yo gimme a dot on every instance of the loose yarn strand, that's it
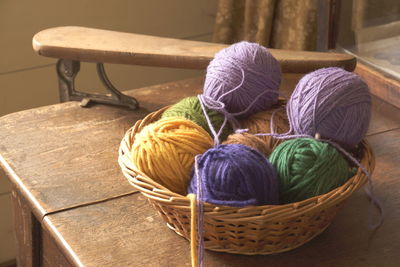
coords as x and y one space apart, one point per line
369 191
271 124
219 107
234 89
193 226
210 125
252 103
200 211
284 135
222 127
196 220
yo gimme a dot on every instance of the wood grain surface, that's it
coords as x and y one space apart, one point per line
128 232
115 230
27 231
384 117
51 254
62 156
387 88
94 45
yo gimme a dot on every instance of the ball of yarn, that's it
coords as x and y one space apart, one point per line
190 108
165 151
332 102
251 69
260 122
235 175
307 167
249 140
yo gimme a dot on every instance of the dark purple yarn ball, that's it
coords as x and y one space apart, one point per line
235 175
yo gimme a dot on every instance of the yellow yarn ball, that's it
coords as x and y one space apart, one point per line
260 123
165 151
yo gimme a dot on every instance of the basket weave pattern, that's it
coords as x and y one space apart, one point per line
250 230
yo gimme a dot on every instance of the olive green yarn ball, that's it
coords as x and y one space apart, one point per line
307 168
190 109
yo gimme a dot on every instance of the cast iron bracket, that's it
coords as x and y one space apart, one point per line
67 71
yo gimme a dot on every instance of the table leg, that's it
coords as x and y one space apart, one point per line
28 232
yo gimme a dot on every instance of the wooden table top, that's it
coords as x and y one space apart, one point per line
63 158
127 231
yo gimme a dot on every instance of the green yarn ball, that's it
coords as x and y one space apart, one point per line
307 168
190 109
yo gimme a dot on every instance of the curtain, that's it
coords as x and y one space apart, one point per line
283 24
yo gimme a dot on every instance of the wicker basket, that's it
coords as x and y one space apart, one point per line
251 230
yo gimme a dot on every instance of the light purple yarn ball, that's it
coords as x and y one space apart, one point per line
332 102
249 66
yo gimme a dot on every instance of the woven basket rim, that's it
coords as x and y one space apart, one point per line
157 192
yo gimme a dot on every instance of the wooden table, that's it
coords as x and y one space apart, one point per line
72 205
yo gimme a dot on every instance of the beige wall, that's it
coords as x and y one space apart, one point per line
28 80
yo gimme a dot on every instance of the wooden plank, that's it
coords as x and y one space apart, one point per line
94 45
27 230
128 232
63 155
7 231
380 85
385 117
5 186
51 255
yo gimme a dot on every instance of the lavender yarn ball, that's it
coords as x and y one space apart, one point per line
251 68
332 102
235 175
